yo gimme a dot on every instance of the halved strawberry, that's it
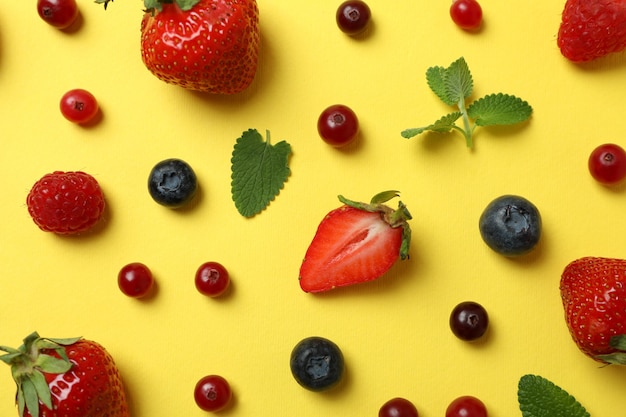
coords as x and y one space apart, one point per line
355 243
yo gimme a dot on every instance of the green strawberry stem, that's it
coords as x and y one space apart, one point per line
394 218
619 356
28 364
151 5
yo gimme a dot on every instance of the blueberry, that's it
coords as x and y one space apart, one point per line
172 183
317 363
510 225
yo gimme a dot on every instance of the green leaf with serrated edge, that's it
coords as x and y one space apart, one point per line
539 397
443 125
458 81
30 397
42 388
258 171
435 77
499 109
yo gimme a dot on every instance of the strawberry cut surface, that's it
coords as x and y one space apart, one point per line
351 246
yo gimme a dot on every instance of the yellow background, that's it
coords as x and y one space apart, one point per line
393 332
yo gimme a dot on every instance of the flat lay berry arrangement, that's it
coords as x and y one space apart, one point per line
414 210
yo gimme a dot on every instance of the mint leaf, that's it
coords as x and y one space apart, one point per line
443 125
436 79
453 85
539 397
258 171
458 80
499 109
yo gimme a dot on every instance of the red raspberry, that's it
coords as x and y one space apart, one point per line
66 202
591 29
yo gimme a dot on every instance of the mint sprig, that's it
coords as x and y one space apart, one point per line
453 85
539 397
258 171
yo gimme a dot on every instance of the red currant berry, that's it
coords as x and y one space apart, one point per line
466 406
212 279
338 125
353 17
58 13
398 407
607 164
212 393
467 14
469 320
79 106
135 280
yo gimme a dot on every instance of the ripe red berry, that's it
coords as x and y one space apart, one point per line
467 14
212 279
466 406
135 280
58 13
398 407
338 125
66 202
212 393
607 163
79 106
353 16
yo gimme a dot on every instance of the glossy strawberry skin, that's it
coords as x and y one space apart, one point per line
593 292
66 202
350 246
92 387
212 48
591 29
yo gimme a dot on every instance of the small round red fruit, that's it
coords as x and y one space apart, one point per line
398 407
467 14
607 163
338 125
466 406
212 279
212 393
58 13
79 106
135 280
353 17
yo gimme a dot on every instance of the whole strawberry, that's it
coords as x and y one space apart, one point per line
205 45
355 243
65 378
591 29
66 202
593 291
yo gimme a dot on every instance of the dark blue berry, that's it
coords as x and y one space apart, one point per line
172 183
317 363
510 225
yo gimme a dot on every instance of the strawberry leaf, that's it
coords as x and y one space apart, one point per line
30 397
41 388
539 397
258 172
499 109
